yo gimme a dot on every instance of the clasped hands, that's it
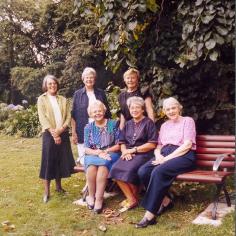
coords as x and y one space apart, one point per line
128 154
104 154
56 134
159 159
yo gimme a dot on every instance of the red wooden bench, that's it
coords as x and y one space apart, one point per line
215 162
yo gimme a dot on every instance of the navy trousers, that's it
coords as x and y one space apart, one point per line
158 179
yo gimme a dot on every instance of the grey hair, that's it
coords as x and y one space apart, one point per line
89 70
96 103
135 100
173 101
45 80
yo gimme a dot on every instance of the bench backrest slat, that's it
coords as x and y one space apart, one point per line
209 147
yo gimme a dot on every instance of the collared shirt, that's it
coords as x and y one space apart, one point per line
79 109
46 114
176 132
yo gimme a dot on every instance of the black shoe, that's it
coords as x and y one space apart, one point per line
145 222
90 206
97 211
163 208
61 190
45 198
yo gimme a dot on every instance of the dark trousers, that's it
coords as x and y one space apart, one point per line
158 179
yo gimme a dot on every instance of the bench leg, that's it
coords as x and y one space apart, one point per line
216 200
227 196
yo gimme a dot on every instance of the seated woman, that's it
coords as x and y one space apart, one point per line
101 151
174 155
138 140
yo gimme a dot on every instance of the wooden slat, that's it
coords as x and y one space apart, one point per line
204 176
222 144
223 164
215 150
216 137
78 169
212 157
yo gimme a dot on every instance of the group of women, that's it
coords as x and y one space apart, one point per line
130 152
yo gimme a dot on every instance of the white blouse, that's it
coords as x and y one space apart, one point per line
56 111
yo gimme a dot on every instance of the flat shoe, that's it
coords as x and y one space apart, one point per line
45 198
163 208
128 206
61 190
145 222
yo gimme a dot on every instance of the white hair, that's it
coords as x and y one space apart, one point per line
96 103
171 100
136 100
89 70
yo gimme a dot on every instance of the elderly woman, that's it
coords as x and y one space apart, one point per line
101 152
131 79
138 140
174 155
81 100
54 116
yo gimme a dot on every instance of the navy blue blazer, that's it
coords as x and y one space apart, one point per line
79 109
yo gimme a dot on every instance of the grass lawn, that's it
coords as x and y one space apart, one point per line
21 203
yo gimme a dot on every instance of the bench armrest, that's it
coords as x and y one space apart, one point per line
218 161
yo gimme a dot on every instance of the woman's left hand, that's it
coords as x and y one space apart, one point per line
158 161
57 140
104 155
127 157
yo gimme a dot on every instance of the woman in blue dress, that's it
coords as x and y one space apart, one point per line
101 152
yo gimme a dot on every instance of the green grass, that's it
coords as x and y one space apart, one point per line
21 203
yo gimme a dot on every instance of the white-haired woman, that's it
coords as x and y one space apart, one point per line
101 152
81 100
174 155
138 139
54 115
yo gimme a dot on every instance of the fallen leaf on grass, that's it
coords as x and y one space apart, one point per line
7 225
102 228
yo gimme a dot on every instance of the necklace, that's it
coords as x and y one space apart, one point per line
137 130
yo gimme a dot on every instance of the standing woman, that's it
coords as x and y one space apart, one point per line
138 140
131 79
54 116
81 100
174 155
101 152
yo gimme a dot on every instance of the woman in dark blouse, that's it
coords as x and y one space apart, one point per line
138 140
131 79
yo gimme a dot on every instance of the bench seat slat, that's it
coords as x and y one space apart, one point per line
215 150
204 176
216 144
216 137
212 157
223 164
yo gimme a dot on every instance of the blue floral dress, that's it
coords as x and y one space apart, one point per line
101 138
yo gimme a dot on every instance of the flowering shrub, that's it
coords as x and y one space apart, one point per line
24 123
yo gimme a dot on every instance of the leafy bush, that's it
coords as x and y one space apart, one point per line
112 93
24 123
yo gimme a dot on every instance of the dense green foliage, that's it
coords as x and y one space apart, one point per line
182 48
